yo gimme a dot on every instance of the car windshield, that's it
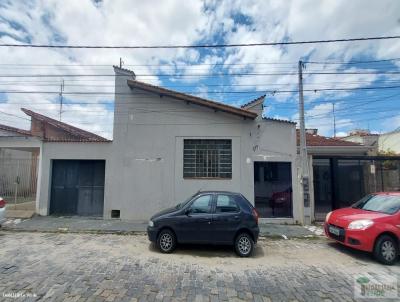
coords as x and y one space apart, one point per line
388 204
182 204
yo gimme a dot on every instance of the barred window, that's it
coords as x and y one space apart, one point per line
207 158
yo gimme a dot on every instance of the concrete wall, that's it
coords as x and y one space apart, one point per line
145 172
390 141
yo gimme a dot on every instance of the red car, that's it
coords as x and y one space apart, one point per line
371 224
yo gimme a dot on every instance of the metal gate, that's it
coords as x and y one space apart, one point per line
77 187
18 179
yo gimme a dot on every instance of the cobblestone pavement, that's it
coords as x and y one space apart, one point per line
86 267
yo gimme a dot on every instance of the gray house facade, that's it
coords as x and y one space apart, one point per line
167 146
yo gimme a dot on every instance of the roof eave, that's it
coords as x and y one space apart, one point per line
337 149
193 99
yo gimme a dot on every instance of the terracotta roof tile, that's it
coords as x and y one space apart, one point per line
323 141
192 99
15 130
80 134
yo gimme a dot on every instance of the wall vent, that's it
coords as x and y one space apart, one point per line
115 213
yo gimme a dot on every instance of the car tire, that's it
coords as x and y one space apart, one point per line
166 241
386 250
244 245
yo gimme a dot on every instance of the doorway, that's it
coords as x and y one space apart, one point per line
77 187
273 189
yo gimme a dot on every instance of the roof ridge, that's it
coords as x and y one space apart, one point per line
191 98
320 140
278 120
14 129
252 102
64 126
125 70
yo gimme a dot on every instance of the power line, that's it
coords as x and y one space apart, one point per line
184 64
198 46
14 115
351 62
210 92
196 75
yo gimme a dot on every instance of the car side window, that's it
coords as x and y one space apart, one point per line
201 205
226 204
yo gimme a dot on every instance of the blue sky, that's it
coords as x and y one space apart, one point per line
171 22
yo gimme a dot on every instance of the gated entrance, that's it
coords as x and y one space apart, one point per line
77 187
339 181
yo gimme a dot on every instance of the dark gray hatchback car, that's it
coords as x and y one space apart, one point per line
211 217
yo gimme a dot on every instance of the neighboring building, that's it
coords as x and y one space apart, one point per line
390 142
364 137
343 172
37 143
17 168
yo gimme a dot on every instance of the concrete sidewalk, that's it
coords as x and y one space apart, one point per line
115 226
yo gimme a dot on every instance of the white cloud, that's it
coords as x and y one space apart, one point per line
124 22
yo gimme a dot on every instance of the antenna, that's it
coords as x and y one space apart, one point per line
61 97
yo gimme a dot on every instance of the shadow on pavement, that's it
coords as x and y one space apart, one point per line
203 250
356 254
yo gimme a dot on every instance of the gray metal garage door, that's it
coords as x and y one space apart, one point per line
77 187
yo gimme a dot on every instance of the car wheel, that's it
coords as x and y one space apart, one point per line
386 250
244 245
166 241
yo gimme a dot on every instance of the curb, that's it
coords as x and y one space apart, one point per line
126 233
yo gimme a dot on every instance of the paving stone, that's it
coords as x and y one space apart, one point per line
79 267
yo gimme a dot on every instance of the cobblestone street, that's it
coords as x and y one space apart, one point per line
86 267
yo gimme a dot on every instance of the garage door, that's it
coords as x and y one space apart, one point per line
77 187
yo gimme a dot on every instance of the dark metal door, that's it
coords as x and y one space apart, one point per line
77 187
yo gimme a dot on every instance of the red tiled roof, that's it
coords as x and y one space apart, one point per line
15 130
80 134
323 141
192 99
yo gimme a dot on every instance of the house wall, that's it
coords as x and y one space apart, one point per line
389 141
145 172
45 130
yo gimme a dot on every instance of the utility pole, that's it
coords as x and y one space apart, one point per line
334 120
120 62
304 175
61 97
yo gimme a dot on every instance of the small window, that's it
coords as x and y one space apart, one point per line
226 204
207 158
201 205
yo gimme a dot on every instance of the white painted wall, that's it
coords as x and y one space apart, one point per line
145 172
390 141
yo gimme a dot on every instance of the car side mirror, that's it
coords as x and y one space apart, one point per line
188 212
